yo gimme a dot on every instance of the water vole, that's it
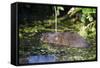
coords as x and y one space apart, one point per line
67 39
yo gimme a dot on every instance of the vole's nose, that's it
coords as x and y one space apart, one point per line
41 39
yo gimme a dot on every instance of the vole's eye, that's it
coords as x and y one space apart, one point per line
46 35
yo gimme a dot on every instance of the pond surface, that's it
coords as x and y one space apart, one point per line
41 58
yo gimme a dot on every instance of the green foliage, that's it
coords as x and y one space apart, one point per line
87 14
88 10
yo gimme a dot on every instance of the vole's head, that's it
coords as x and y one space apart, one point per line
49 37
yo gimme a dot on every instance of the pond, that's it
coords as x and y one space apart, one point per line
41 58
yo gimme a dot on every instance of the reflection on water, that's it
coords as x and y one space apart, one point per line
41 58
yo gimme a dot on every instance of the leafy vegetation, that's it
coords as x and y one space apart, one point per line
80 20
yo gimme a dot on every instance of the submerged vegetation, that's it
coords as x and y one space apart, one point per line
36 20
